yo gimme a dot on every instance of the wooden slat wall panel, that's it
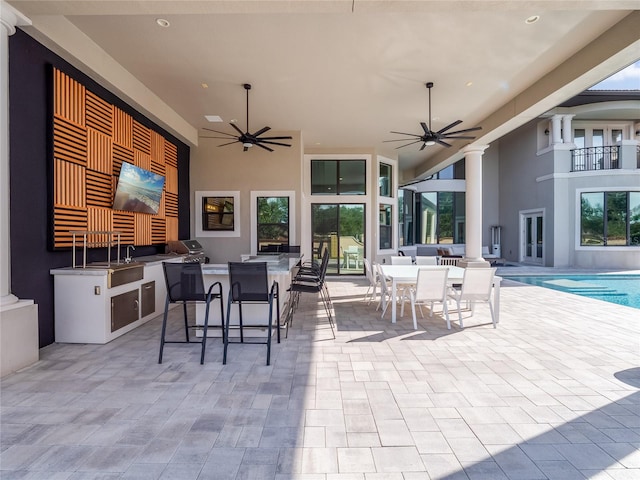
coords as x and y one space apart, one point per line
158 230
172 229
157 148
69 184
91 140
171 204
141 138
122 128
99 114
142 229
70 141
68 219
124 223
99 151
99 219
68 98
142 159
121 154
171 154
171 179
99 188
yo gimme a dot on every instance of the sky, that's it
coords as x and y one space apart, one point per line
626 79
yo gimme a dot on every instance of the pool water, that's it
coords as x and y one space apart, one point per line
620 289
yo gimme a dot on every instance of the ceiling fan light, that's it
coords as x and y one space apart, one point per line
247 145
428 143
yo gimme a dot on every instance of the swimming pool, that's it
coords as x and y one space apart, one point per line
613 288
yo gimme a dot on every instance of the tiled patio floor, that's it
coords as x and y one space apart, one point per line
550 394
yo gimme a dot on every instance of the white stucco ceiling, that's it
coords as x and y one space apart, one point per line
346 73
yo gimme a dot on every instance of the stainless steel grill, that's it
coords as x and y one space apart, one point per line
191 248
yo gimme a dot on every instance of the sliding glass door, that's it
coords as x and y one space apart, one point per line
339 228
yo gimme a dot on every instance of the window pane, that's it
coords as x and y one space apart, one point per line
445 217
385 215
217 213
592 218
597 139
616 136
324 177
634 218
616 218
578 137
428 217
352 177
459 216
273 223
446 173
385 180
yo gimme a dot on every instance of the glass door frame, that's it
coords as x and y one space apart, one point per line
532 225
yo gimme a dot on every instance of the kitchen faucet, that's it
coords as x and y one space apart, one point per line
128 257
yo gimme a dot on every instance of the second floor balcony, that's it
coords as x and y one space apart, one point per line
595 158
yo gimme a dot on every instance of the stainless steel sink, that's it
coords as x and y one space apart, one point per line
121 273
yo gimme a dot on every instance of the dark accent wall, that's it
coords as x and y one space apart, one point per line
30 172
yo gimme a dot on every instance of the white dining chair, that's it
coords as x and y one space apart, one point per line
372 276
401 260
421 260
477 284
431 287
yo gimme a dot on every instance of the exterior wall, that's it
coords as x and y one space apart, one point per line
490 192
599 257
229 169
520 166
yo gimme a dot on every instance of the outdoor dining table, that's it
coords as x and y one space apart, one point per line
408 274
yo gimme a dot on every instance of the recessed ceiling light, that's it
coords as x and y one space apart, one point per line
204 85
532 19
164 23
469 84
213 118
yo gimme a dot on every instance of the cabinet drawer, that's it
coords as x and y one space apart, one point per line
148 298
124 309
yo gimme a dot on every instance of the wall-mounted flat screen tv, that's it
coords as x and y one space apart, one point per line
138 190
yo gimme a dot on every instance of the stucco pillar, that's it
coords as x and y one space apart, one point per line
473 202
556 129
9 19
567 131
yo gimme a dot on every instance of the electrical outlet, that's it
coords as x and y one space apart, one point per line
96 290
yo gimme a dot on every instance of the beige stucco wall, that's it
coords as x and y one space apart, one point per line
228 168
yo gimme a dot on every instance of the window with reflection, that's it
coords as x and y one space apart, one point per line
442 217
385 180
610 218
217 213
386 226
338 177
272 223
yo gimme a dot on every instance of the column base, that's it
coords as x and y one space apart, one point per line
19 344
473 263
6 300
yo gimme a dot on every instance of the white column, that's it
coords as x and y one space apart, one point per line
9 19
473 201
556 129
567 131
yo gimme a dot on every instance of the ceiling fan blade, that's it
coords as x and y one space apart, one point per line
423 146
266 148
218 131
275 138
399 139
236 128
451 125
261 131
260 140
235 141
463 137
244 149
403 133
473 129
443 143
222 138
425 127
406 145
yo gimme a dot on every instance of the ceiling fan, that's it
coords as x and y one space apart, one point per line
247 139
429 137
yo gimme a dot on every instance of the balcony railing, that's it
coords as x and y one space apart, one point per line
595 158
638 156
